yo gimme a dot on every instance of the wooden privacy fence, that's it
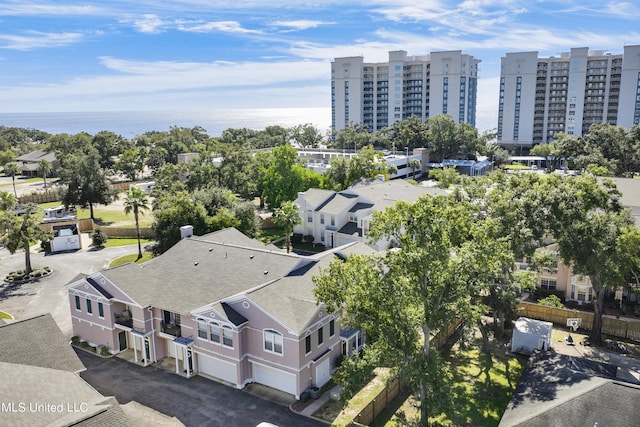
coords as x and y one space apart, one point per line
375 406
119 232
622 327
37 198
378 403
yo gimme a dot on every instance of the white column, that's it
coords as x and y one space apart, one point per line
135 349
176 354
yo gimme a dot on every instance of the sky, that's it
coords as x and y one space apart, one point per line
199 55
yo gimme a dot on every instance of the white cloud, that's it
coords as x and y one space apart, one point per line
221 26
43 9
301 24
148 81
148 24
35 39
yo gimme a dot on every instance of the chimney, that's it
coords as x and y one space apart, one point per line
186 231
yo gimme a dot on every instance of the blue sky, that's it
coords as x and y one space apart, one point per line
63 55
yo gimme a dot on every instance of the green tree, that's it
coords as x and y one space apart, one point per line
12 169
44 167
587 222
18 231
7 201
131 162
136 202
236 170
411 133
173 211
285 177
446 176
110 146
414 164
444 258
307 135
86 183
287 216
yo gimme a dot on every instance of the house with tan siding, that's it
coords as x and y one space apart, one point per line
222 306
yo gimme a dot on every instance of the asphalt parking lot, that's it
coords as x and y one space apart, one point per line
195 402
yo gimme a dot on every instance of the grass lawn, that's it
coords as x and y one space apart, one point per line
146 256
477 401
112 214
268 235
116 241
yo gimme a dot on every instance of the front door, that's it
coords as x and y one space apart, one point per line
122 340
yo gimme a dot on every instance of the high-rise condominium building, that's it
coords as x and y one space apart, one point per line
379 94
540 97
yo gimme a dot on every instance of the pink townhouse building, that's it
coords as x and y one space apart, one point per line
223 306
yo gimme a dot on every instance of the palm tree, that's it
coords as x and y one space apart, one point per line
44 167
414 164
136 202
7 201
287 217
12 169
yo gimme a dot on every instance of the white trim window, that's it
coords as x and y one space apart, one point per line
215 332
273 341
203 329
227 336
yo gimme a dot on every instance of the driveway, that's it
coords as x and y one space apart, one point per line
195 402
48 294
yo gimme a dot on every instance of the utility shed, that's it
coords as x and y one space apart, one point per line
530 335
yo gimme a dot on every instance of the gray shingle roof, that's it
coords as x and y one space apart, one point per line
32 385
387 193
316 196
38 342
291 299
36 156
558 390
199 271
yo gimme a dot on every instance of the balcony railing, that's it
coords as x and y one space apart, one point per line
171 329
123 318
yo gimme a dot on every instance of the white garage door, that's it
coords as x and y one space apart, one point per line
217 368
323 372
276 378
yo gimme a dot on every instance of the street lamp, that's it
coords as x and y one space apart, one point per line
407 159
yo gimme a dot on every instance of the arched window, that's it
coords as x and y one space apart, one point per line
215 332
227 336
203 329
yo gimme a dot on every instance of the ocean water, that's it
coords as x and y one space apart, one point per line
130 124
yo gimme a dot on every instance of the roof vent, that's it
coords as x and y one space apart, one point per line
251 256
210 249
196 263
266 272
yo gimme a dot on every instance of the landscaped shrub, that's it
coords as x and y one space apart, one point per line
309 238
296 237
98 238
551 301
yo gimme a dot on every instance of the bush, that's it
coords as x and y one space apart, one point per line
296 237
551 301
98 238
309 238
75 339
